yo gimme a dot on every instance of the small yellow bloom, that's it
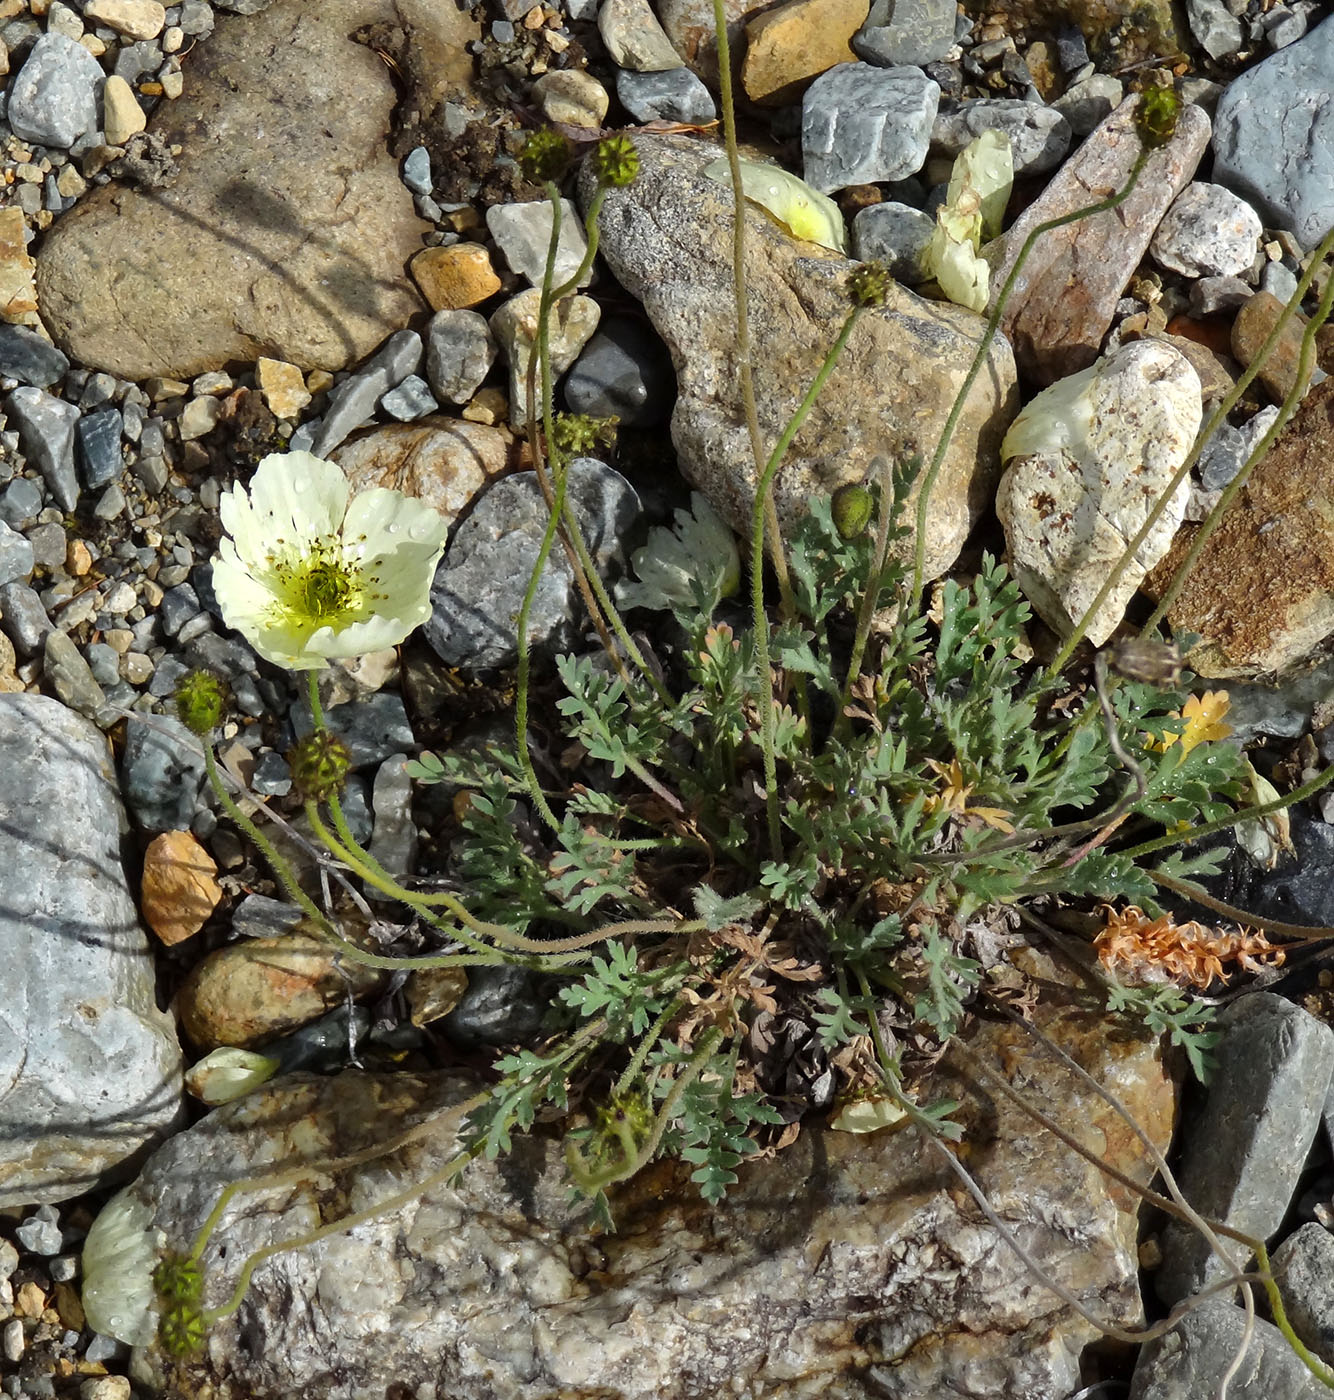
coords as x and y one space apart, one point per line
1204 721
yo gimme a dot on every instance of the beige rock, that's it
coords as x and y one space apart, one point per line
122 115
1062 303
442 462
283 387
571 96
1261 594
293 247
487 407
689 26
634 38
250 992
18 293
668 240
1255 320
455 277
178 892
138 19
514 325
789 46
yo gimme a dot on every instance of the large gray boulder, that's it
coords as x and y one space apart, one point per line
90 1071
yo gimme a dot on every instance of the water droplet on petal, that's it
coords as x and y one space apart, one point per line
420 529
391 528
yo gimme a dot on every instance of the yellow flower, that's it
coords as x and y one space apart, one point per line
308 574
1204 721
954 794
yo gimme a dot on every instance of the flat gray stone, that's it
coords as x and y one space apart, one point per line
53 99
90 1071
480 583
1244 1150
671 95
906 31
1274 136
861 124
16 558
23 618
1214 27
1039 136
161 772
30 358
522 232
353 401
46 433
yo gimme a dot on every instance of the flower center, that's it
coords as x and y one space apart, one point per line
321 586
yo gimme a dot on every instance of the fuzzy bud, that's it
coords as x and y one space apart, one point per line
578 434
320 764
181 1331
199 700
851 508
615 161
1156 116
868 284
545 155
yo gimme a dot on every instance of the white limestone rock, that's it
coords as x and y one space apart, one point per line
1088 459
1208 232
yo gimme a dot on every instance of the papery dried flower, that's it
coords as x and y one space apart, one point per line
1157 950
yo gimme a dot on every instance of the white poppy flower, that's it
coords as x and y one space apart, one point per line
226 1074
803 211
700 547
119 1257
308 575
974 206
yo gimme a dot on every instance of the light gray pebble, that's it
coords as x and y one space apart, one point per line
49 544
46 430
394 843
11 1340
195 628
68 674
502 31
272 778
1212 296
672 95
103 1348
1278 281
9 1260
1207 232
258 916
861 124
1215 29
354 400
53 98
103 662
409 400
23 618
460 351
133 418
161 770
98 389
906 31
16 556
522 232
417 170
20 502
151 471
39 1233
429 210
1285 24
196 17
897 235
1039 136
1084 105
110 503
30 358
135 61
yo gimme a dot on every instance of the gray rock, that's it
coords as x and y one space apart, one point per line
23 618
30 358
906 31
897 235
1279 281
514 326
1207 232
353 401
671 95
272 778
243 7
480 584
860 124
523 232
196 17
67 673
410 400
625 371
1039 136
16 557
1274 136
417 170
1189 1362
53 99
1086 104
1285 24
1304 1267
97 447
1244 1150
40 1232
258 916
46 431
373 729
161 770
20 502
89 1067
103 662
1214 27
134 61
501 1006
1226 452
460 351
634 38
178 606
394 842
1213 296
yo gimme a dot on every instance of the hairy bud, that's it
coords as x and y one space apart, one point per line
615 161
199 700
320 764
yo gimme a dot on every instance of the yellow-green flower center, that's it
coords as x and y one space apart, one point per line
320 587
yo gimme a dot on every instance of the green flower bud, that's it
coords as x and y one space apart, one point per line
615 161
199 700
320 764
1156 116
578 434
868 284
852 507
178 1279
545 155
181 1330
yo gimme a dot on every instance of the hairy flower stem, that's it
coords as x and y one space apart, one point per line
871 598
979 359
1188 889
765 700
1289 407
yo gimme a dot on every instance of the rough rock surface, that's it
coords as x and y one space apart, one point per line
689 25
1091 457
1261 594
1063 301
849 1266
668 238
292 247
89 1067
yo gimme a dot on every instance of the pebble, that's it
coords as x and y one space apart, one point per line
1283 165
53 99
354 400
16 556
23 618
97 448
1214 27
523 233
417 170
178 891
1084 105
514 326
897 235
20 501
1304 1266
671 95
373 729
67 673
139 19
861 124
906 31
30 358
455 277
572 97
394 842
1217 296
626 371
460 351
46 431
200 417
1253 323
1279 281
409 400
789 45
40 1231
161 771
1207 232
283 387
1224 455
1039 136
634 38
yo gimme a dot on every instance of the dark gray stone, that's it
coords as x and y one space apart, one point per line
898 236
258 916
1071 49
480 583
53 99
135 61
1188 1363
46 432
66 671
354 400
1212 296
906 31
1304 1267
1274 136
460 351
502 1006
272 777
161 771
23 619
90 1071
16 556
860 124
323 1046
30 358
178 606
97 448
1243 1151
20 502
372 729
1039 136
624 370
671 95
